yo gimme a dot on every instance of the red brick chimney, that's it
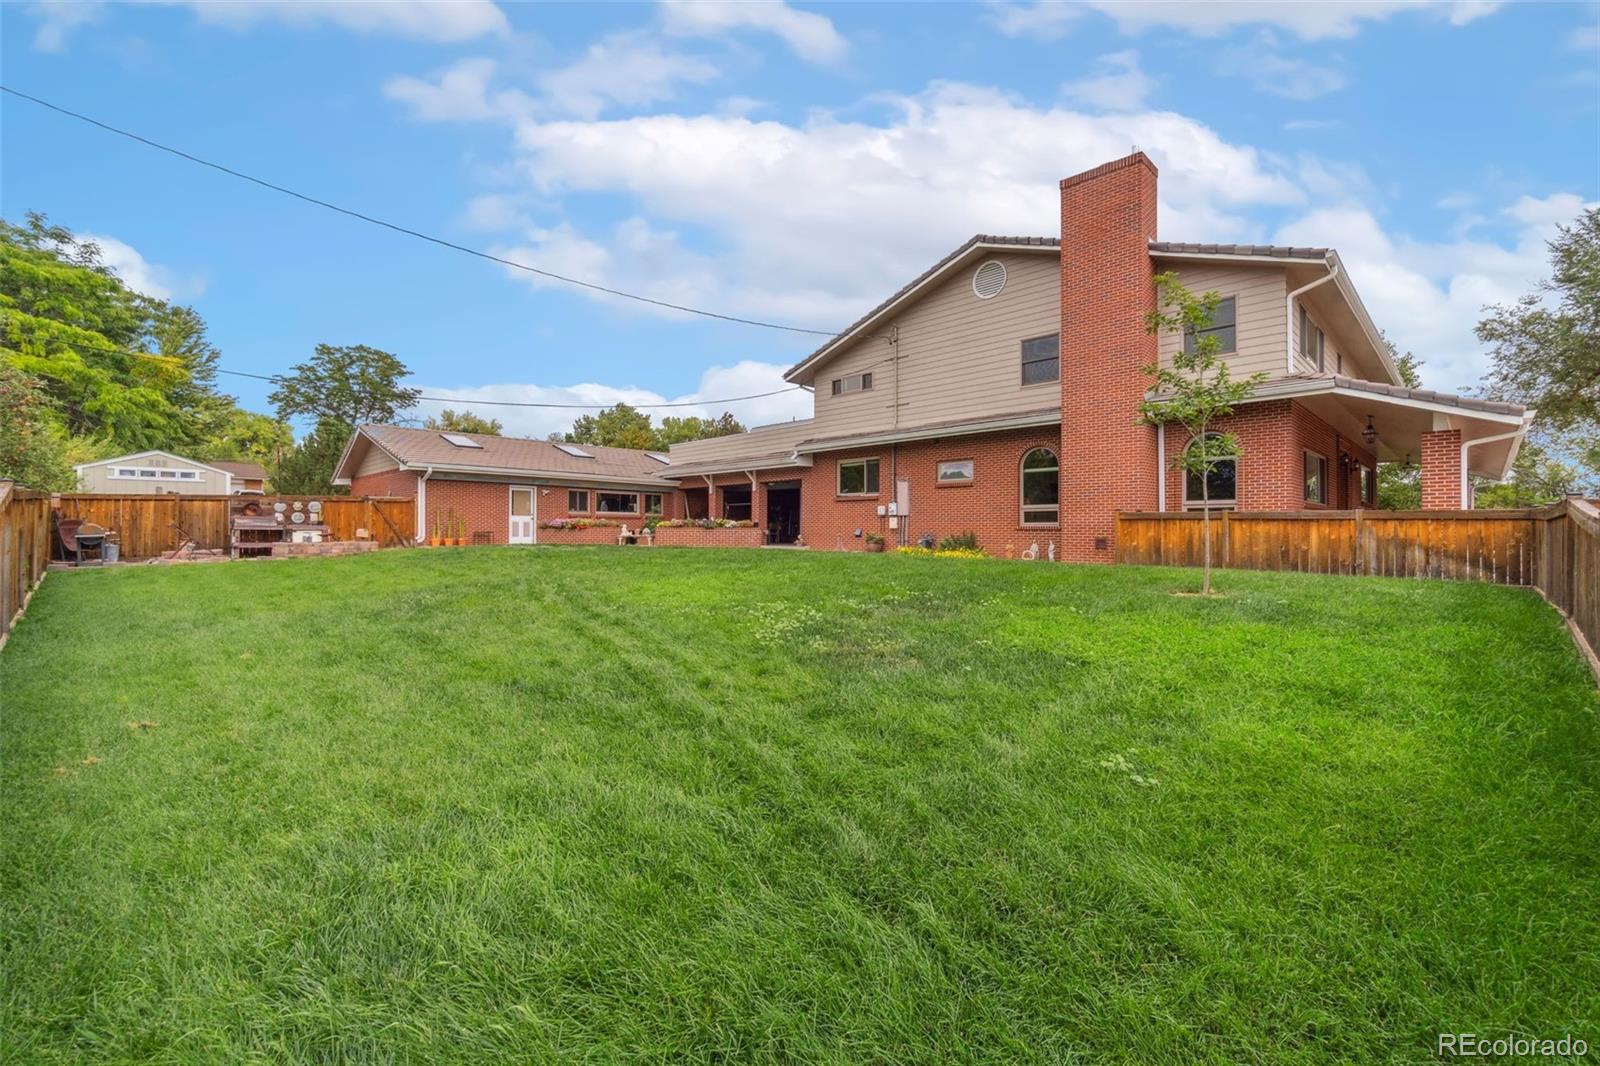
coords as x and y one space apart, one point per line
1108 460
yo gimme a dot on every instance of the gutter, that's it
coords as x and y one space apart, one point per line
1510 456
1288 312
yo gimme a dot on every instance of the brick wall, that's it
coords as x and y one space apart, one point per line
1273 437
587 535
695 537
387 483
1441 470
1108 217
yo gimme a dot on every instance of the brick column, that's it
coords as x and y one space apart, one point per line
1441 470
1108 460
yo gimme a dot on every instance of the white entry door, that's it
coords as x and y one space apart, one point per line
522 524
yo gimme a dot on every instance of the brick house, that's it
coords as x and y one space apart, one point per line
502 488
997 393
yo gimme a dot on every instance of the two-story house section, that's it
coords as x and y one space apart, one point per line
998 393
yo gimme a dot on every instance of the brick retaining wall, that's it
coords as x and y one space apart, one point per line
696 537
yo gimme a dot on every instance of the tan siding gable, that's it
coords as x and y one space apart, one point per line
376 461
958 356
1259 292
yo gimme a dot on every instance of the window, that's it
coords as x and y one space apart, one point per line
574 451
1369 486
460 441
736 503
577 501
1316 478
1312 342
1041 359
1222 327
616 503
853 383
1041 488
1221 484
652 503
858 477
147 473
955 472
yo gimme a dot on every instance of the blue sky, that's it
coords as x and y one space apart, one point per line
783 162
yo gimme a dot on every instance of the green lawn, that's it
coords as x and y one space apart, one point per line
512 805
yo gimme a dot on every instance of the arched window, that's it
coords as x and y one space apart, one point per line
1222 483
1041 488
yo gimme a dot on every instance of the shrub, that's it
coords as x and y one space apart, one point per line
578 523
967 541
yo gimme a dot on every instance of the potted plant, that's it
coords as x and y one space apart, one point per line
436 531
874 542
452 524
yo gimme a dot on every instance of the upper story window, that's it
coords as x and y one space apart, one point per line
1224 327
1041 359
858 477
1221 486
1312 342
853 383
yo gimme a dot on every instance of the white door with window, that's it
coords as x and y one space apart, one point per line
522 523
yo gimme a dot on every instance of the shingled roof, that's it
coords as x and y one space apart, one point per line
421 448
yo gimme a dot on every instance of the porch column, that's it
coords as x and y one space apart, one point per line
1441 471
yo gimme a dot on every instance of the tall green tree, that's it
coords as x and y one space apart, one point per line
341 387
463 422
351 385
32 447
1196 391
625 426
121 371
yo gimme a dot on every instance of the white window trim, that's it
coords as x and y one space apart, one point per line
940 479
1212 504
1310 360
863 381
1022 507
838 479
1322 480
1183 338
644 501
587 500
633 511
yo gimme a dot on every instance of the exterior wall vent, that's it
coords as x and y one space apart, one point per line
989 280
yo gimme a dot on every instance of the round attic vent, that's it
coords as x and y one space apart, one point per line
989 280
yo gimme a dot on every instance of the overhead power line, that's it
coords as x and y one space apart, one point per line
457 400
553 276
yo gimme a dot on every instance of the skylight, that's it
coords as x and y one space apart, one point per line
658 457
574 450
460 441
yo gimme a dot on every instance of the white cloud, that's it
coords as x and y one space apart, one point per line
1048 19
440 21
58 18
849 204
626 70
139 274
1584 39
1117 85
1429 296
811 36
1281 75
745 378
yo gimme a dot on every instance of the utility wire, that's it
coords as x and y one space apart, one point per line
457 400
404 229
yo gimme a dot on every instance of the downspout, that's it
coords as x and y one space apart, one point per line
1481 440
1288 314
1161 466
422 505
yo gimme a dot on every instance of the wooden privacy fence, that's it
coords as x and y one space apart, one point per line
25 532
1555 549
148 525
